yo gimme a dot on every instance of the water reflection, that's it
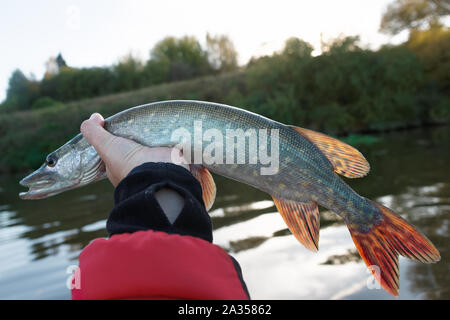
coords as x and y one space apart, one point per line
410 174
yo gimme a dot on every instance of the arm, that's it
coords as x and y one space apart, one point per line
158 200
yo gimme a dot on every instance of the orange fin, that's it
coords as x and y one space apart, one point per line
345 159
302 219
207 182
381 246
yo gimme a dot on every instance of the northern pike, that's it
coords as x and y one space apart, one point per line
307 175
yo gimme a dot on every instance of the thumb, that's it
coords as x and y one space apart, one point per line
92 129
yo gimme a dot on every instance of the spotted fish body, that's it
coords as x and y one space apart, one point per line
307 175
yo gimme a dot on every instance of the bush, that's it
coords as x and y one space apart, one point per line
21 92
74 84
45 102
128 74
432 46
441 112
343 90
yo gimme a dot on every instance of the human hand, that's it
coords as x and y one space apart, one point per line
122 155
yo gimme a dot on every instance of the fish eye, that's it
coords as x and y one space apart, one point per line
51 161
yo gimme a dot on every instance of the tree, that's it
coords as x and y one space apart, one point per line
296 47
432 46
222 55
128 73
412 14
21 92
341 44
74 84
184 57
60 61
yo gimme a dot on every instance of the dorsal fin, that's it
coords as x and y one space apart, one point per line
345 159
302 219
207 182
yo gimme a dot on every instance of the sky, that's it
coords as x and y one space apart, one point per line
100 32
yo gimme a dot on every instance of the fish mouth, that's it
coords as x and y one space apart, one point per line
37 189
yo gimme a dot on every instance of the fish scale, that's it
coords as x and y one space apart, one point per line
217 117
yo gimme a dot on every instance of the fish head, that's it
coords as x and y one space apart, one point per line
72 165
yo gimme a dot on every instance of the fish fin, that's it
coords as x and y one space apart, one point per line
302 219
207 182
346 160
381 245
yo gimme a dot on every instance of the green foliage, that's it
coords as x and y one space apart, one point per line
331 118
413 14
156 72
345 89
182 58
341 44
45 102
282 104
440 112
221 53
171 59
74 84
128 74
297 49
432 46
21 92
273 83
43 130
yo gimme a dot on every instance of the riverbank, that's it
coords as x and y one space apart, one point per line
27 137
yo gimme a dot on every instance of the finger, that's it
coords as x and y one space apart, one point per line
92 129
97 118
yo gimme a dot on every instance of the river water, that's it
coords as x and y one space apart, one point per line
40 240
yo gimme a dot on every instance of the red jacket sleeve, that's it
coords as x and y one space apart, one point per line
138 266
146 256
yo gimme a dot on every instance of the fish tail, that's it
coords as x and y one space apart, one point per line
383 242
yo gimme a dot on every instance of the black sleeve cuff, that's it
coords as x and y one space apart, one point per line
136 208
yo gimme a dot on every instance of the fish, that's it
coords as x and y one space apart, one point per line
306 175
